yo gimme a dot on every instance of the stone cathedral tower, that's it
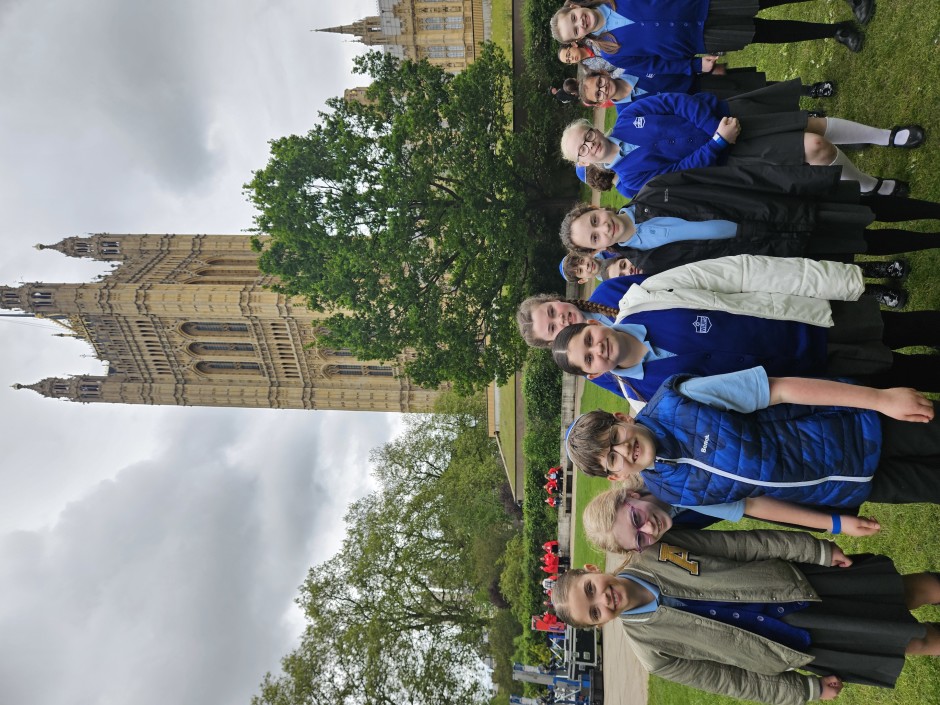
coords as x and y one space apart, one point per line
186 320
447 33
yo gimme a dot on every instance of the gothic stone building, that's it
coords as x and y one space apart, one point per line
187 320
447 33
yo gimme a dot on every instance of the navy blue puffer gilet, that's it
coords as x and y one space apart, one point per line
822 455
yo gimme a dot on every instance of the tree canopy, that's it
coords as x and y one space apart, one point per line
400 614
409 217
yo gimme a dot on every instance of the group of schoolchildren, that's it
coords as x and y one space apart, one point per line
763 365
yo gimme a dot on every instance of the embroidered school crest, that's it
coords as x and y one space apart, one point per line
702 324
639 122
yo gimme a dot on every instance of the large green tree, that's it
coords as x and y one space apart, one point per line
411 216
401 613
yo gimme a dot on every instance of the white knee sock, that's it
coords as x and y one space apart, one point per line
839 131
850 172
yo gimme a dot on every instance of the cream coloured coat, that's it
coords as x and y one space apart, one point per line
780 288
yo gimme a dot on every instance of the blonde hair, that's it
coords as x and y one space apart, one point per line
600 515
579 123
606 41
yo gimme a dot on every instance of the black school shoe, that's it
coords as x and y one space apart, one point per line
887 296
902 189
915 138
820 89
893 269
849 36
864 10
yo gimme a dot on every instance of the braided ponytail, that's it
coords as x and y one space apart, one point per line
594 307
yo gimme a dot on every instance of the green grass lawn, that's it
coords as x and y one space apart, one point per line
502 26
507 426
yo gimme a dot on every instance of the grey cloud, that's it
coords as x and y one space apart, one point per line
170 583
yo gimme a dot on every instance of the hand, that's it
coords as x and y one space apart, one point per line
719 70
905 404
708 63
729 128
859 526
831 687
839 559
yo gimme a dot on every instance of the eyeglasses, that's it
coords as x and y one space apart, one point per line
642 540
613 457
589 137
600 90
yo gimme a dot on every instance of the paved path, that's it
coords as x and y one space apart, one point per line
625 680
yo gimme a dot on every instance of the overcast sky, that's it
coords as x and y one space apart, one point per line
151 554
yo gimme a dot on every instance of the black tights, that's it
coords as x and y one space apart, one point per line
918 371
783 31
906 328
890 241
891 209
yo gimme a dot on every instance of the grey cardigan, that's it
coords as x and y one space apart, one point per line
745 566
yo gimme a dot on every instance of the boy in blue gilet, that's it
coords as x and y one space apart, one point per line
713 440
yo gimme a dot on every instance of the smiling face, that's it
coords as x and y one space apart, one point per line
577 23
622 268
600 228
587 145
597 598
640 523
631 448
599 89
598 349
572 54
586 268
550 317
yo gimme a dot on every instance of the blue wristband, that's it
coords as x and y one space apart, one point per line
836 524
722 142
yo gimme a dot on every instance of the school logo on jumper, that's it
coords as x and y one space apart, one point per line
639 122
702 324
650 75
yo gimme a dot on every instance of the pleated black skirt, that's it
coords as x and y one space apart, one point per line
729 25
861 628
772 126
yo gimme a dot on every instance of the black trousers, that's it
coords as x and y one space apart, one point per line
909 469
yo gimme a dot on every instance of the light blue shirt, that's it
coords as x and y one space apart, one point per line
745 391
612 20
656 232
624 147
635 93
729 511
652 353
649 606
